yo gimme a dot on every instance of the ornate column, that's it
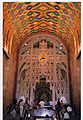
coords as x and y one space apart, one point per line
53 95
31 93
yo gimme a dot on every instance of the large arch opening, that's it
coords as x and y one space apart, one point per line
43 91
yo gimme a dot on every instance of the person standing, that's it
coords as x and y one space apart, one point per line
47 103
47 117
58 109
26 108
62 104
63 110
69 110
54 117
66 116
21 106
41 103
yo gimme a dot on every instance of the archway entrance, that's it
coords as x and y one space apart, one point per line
43 91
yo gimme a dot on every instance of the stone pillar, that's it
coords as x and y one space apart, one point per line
53 95
31 94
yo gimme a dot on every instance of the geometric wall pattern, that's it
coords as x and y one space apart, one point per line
43 59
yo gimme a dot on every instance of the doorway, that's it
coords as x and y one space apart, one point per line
43 91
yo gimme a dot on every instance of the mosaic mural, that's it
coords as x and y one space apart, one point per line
21 19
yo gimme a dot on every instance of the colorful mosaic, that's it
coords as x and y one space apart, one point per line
25 18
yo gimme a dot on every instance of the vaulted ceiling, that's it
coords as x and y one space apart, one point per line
22 19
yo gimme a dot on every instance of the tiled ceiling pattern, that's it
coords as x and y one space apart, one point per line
61 18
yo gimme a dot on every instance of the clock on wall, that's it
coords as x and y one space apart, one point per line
43 58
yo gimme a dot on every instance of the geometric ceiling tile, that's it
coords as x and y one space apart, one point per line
10 5
12 12
24 6
17 17
71 5
73 12
64 17
68 17
13 17
56 13
59 2
25 12
54 28
72 17
15 23
27 2
22 17
33 17
66 5
35 14
52 14
14 5
5 6
19 5
43 8
76 5
57 7
30 19
16 11
30 13
43 24
20 11
51 3
36 4
33 3
65 11
29 7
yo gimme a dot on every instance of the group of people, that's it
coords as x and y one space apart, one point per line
62 111
19 107
40 103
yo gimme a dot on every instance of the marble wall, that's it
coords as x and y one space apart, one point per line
8 79
75 78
